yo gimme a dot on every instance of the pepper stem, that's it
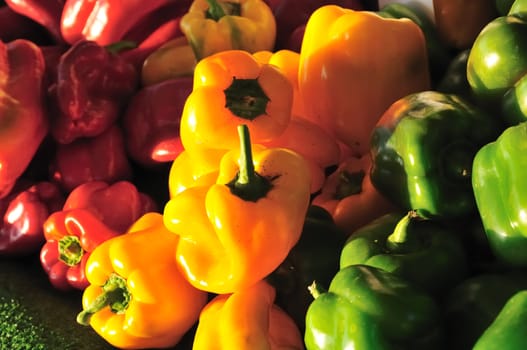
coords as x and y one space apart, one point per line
70 250
116 295
248 184
215 10
400 240
315 289
246 99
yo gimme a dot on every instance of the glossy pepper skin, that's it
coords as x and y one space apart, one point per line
224 227
24 213
507 331
151 121
71 236
369 308
471 306
106 21
420 251
422 150
497 178
212 26
496 67
93 85
23 120
315 257
347 99
137 297
231 88
350 197
249 320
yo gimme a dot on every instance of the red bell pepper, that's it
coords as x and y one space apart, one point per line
93 85
109 21
24 213
23 121
92 213
44 12
117 205
71 235
100 158
151 121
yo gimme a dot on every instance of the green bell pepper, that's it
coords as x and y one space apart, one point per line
421 251
369 308
500 183
439 55
472 305
454 80
422 150
507 331
497 64
314 257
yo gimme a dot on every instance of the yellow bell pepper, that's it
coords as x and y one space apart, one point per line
231 88
137 297
246 320
354 65
212 26
240 229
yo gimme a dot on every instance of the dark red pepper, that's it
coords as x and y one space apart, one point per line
100 158
16 26
44 12
93 213
93 85
23 121
151 121
24 213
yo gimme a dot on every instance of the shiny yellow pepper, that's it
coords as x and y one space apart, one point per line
212 26
236 231
354 65
246 320
137 297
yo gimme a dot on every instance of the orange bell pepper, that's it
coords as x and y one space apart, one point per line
246 320
350 197
354 65
238 230
137 297
232 88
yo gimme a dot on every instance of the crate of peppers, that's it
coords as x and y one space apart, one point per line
263 174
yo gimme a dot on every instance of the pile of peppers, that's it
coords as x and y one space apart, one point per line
271 174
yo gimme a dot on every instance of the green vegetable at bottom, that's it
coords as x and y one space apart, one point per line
369 308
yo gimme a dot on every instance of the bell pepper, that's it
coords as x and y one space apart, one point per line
369 308
99 158
507 331
471 306
23 121
503 6
231 88
454 79
422 150
107 21
47 13
496 67
455 28
137 297
292 14
249 320
212 26
151 121
117 205
354 65
439 55
421 251
71 236
93 86
497 178
25 212
315 257
225 227
173 59
350 197
14 26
